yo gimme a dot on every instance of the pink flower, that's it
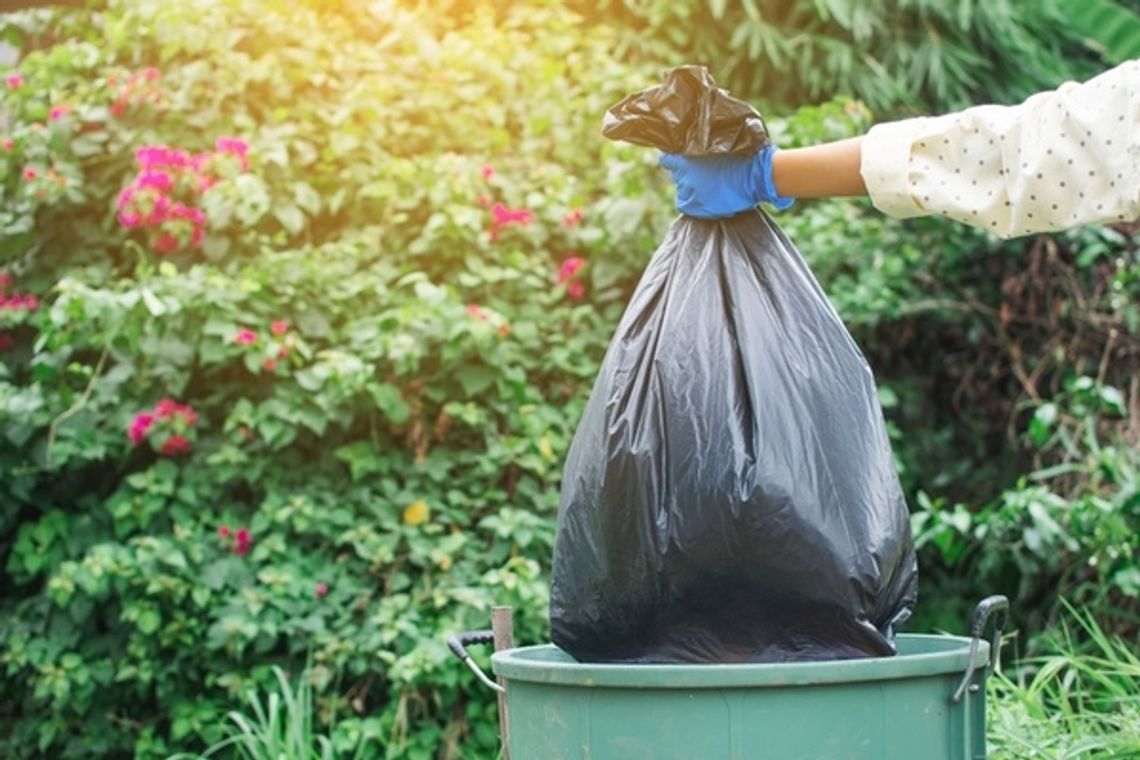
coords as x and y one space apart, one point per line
58 112
159 210
279 327
8 144
234 146
572 218
5 280
483 201
30 173
576 291
487 171
126 195
15 80
154 179
224 532
150 73
6 341
269 365
140 425
31 303
503 216
321 590
477 312
570 268
130 219
155 156
245 336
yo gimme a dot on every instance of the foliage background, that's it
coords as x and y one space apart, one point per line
396 463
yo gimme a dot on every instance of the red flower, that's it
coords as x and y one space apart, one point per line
165 243
321 590
572 217
175 444
279 327
483 200
504 329
576 291
5 280
9 143
224 532
30 173
269 365
242 540
6 341
477 312
166 407
245 336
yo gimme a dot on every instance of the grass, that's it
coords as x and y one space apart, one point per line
1083 702
280 728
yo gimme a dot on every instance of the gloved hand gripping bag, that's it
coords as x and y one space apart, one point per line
730 494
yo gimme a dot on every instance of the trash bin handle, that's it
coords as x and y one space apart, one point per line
996 606
458 646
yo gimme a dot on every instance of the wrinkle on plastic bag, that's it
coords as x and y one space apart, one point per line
687 114
730 493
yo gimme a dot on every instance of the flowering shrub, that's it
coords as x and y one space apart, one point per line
168 181
169 427
302 388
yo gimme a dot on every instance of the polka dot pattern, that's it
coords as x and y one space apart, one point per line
1065 157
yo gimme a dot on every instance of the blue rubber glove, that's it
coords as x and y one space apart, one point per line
714 187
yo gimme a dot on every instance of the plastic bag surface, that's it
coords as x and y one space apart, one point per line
730 493
687 114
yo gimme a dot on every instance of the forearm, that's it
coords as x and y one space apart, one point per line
820 171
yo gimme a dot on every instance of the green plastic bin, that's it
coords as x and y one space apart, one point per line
925 703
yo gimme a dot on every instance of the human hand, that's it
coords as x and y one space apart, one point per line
714 187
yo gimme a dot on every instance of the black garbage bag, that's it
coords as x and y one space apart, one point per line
730 494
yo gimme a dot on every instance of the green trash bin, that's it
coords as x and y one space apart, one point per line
925 703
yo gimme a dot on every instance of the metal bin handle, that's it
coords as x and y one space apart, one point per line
458 646
998 607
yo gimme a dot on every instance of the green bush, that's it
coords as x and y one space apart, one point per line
321 405
897 56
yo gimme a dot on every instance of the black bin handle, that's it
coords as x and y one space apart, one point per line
997 607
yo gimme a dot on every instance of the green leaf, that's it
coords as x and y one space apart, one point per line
148 621
475 378
1041 424
291 217
1112 399
389 400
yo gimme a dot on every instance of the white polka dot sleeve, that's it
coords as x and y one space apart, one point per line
1062 158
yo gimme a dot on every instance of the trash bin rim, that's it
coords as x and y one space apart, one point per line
920 655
